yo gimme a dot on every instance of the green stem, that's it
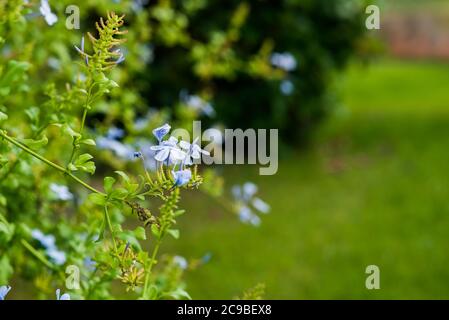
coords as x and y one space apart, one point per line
37 254
150 266
48 162
108 221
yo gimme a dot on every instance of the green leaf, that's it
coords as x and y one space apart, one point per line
178 213
82 159
139 233
155 230
128 236
108 184
35 144
89 142
174 233
3 116
7 269
66 129
119 193
83 163
88 167
3 161
123 175
97 198
179 294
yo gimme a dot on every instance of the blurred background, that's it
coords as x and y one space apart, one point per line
363 120
369 186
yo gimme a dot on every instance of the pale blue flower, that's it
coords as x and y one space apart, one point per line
121 57
147 154
54 63
198 104
287 87
247 202
61 192
182 177
49 16
47 241
4 291
82 52
246 215
115 133
193 151
249 189
138 5
169 152
161 132
89 264
120 149
261 205
285 61
180 262
57 256
65 296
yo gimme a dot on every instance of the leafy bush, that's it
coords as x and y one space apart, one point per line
77 105
262 64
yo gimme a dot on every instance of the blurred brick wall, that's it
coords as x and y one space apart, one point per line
416 35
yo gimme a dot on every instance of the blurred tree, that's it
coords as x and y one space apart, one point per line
236 68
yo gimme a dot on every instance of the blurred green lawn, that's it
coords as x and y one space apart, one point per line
373 189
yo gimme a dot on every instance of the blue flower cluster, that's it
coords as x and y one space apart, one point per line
197 103
247 203
61 192
287 62
111 142
172 152
49 243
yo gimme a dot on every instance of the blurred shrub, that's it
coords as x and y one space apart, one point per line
224 52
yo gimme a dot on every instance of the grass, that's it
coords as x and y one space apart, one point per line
372 190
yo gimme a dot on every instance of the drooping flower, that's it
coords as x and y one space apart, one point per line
61 192
4 291
193 151
82 52
161 132
49 16
182 177
65 296
285 61
121 56
168 151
